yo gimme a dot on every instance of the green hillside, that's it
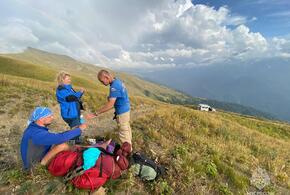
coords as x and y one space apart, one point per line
85 75
205 153
61 62
14 67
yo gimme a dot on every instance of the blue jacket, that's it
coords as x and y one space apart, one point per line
69 101
36 142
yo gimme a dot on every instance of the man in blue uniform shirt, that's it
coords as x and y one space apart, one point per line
118 98
38 144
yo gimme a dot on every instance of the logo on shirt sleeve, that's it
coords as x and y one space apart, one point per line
113 89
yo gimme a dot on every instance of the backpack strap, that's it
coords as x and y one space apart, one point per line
74 173
113 165
60 87
142 160
75 170
140 170
101 166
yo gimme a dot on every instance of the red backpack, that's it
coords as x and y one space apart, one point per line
107 167
70 163
92 178
63 162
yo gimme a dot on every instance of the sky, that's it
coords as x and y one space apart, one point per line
269 17
149 34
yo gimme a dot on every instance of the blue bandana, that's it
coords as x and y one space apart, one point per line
38 113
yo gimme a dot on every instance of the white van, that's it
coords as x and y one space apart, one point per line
205 107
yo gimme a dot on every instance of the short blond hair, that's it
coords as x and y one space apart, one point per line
61 76
104 72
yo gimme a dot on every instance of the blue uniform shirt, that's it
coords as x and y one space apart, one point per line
36 142
119 91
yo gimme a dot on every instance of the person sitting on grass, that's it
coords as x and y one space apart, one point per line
38 144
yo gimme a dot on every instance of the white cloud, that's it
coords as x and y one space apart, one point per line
14 37
125 56
135 34
184 7
281 47
237 20
201 36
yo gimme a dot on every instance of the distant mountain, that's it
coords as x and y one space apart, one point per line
263 85
48 64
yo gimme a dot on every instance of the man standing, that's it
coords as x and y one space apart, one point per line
118 98
38 144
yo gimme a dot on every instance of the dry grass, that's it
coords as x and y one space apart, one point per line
205 153
208 146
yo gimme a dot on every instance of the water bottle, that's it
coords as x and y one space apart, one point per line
82 120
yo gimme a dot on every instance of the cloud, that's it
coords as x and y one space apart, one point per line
184 7
238 20
201 37
135 34
14 37
281 47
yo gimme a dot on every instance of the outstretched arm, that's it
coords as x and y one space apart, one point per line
47 138
109 105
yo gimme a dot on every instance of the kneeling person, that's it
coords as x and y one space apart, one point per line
38 144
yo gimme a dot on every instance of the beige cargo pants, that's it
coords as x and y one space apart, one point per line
125 132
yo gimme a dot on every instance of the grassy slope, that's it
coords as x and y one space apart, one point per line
24 69
60 62
205 153
136 85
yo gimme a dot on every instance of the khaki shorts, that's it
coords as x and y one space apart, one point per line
125 132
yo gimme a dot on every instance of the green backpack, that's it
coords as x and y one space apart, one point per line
145 172
146 168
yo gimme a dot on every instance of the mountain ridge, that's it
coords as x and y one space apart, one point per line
133 82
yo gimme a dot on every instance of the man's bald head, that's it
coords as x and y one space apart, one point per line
105 77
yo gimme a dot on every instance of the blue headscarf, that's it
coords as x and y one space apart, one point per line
38 113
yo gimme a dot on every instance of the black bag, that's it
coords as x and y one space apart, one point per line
143 161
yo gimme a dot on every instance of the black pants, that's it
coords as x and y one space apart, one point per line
73 123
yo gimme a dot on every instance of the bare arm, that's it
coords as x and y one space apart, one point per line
109 105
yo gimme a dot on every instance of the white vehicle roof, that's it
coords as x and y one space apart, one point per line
204 105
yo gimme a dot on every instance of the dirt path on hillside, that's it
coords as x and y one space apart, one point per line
105 123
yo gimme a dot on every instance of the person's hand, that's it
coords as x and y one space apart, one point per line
91 116
82 90
83 126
